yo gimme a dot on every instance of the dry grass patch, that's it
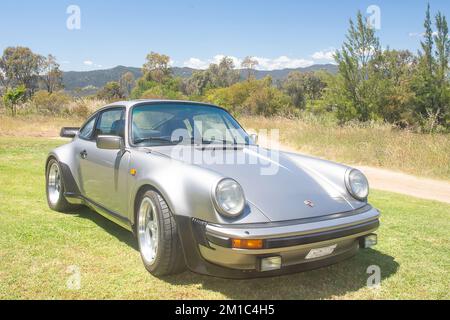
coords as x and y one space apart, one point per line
373 145
35 125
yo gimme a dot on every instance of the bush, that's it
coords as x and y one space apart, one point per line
55 103
84 107
13 97
170 89
256 97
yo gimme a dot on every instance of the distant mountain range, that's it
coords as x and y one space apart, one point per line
92 80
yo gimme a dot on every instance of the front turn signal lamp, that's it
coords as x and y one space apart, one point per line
247 244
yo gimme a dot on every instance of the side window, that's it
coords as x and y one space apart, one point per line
88 129
111 122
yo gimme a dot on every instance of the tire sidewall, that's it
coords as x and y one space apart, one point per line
153 196
60 199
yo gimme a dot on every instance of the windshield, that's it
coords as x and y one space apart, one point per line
184 123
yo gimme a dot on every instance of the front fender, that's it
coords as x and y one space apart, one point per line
186 188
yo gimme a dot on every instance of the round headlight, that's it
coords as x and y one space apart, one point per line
229 198
357 184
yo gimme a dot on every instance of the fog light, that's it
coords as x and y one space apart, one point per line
369 241
270 263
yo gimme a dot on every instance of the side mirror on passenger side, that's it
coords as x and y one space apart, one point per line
109 142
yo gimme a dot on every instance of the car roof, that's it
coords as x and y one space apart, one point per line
131 103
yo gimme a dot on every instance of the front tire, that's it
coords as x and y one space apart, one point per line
55 188
157 235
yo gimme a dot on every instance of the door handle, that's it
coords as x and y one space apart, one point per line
83 154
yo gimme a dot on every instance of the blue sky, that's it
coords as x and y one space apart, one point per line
281 33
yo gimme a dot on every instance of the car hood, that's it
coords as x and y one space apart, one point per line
281 188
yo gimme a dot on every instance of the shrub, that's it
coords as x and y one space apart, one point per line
13 97
83 107
111 92
170 89
55 103
256 97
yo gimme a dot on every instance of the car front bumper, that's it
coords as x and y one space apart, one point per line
208 247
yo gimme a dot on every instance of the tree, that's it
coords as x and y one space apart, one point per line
442 60
224 74
127 83
355 91
157 68
111 92
430 82
20 66
52 76
393 71
250 64
216 76
302 87
12 98
198 83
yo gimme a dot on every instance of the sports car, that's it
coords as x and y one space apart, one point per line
197 191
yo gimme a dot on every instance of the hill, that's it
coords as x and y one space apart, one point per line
90 81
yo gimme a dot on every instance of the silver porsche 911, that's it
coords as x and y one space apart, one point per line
198 192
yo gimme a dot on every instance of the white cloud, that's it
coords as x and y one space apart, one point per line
196 63
281 62
420 34
90 63
325 55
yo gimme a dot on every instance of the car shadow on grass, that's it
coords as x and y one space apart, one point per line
112 228
326 283
330 282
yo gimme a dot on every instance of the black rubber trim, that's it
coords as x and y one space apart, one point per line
199 229
302 239
333 216
220 241
320 236
111 213
95 204
70 185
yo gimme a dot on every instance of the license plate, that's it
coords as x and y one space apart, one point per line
321 252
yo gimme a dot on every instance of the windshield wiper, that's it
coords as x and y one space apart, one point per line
226 142
140 140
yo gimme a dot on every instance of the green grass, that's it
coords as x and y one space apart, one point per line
38 245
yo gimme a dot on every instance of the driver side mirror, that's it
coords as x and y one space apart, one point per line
68 132
109 142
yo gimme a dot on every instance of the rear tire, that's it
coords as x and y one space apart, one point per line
54 186
157 235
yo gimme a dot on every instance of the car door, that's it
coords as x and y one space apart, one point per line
104 172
